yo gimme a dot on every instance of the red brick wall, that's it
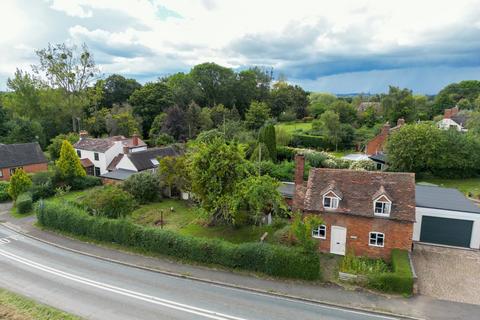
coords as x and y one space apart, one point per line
398 234
32 168
377 144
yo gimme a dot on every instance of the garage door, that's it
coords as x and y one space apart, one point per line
452 232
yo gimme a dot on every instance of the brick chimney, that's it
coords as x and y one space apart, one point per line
400 122
126 149
447 113
385 129
135 139
455 110
83 134
299 169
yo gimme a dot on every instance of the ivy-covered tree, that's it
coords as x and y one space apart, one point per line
68 164
19 183
215 169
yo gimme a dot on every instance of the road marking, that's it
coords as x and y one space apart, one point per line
9 239
137 295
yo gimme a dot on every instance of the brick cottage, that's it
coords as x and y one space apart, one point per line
28 156
368 213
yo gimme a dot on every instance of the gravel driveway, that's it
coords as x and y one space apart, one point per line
448 273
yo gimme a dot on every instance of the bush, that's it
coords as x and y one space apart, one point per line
367 165
20 182
362 265
259 257
398 281
86 182
144 187
307 141
285 153
24 203
43 177
4 196
109 201
42 191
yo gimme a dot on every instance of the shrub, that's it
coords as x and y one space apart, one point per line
398 281
260 257
367 165
308 141
4 196
109 201
42 191
24 203
43 177
19 183
283 136
285 153
86 182
144 187
362 265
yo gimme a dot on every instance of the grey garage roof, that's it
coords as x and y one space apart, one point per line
443 198
120 174
287 189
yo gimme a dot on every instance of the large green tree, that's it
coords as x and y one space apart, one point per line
399 103
257 114
285 97
452 94
117 89
150 100
216 83
184 89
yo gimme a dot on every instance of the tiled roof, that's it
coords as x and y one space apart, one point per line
21 154
103 144
358 188
113 165
86 163
460 118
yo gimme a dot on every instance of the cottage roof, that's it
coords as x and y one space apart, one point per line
103 144
21 154
444 198
358 188
142 160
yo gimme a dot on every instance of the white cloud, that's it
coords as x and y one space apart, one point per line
168 35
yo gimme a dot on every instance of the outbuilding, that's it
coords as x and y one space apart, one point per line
445 216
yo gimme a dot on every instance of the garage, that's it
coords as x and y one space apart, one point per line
445 216
452 232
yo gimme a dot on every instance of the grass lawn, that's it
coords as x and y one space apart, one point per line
184 220
471 185
291 127
13 306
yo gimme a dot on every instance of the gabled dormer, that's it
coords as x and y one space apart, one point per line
382 203
331 196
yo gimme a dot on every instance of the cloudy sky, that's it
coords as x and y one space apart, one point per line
324 45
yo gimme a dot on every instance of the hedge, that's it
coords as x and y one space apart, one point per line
4 196
259 257
24 203
398 281
308 141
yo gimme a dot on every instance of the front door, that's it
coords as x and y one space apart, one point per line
338 240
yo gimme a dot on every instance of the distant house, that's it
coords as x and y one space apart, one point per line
453 119
97 154
377 144
28 156
124 165
368 213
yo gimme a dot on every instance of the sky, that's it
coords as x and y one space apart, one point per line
328 46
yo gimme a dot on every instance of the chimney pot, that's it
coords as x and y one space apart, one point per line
299 169
135 139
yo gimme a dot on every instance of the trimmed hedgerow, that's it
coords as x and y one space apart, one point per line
4 196
24 203
308 141
398 281
260 257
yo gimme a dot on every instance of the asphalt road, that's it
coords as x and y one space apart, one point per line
97 289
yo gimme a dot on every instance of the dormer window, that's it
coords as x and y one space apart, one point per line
330 202
382 208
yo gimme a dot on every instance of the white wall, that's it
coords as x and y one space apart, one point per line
126 164
445 124
101 163
475 217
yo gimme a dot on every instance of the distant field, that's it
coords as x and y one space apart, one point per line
466 186
293 126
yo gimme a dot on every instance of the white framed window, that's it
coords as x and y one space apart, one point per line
376 239
330 202
382 208
319 232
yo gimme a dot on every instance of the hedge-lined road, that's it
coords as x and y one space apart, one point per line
96 289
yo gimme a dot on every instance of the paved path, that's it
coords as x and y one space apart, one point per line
419 306
96 289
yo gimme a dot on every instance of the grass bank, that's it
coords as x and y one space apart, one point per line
13 306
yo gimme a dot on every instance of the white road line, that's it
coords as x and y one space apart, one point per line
323 306
137 295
